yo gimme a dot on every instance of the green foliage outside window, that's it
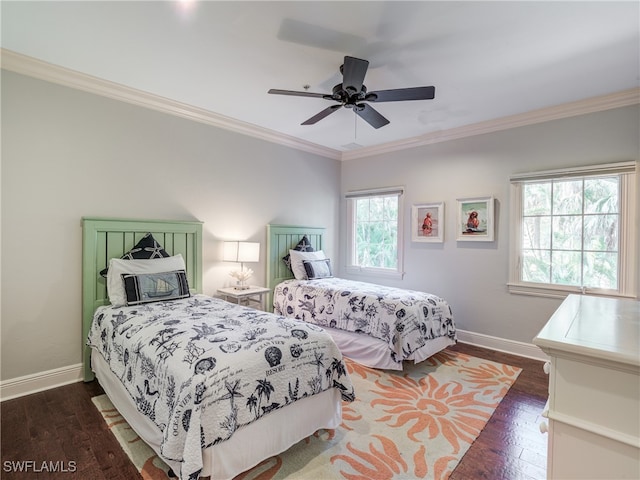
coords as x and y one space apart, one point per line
571 232
376 232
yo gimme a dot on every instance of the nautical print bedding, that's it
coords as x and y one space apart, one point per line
404 319
200 368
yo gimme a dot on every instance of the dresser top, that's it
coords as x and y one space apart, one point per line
605 328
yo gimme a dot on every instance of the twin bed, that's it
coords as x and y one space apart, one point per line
215 388
377 326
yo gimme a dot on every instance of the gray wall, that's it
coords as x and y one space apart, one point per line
472 276
68 154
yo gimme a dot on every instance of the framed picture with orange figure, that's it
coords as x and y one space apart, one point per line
427 222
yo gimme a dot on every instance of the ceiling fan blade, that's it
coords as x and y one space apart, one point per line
275 91
400 94
370 115
319 116
353 72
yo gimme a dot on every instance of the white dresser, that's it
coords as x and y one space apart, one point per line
594 388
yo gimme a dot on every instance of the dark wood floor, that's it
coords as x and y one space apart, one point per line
62 428
511 446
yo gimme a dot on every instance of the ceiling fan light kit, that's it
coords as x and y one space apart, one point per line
352 92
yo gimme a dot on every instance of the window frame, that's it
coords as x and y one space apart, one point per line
350 266
627 254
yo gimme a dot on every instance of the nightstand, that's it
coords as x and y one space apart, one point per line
246 296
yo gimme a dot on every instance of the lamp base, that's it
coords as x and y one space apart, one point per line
241 287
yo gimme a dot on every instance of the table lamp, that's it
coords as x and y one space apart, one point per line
241 252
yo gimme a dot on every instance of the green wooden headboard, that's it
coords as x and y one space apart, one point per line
106 238
280 239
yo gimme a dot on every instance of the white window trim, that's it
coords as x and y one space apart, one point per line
352 269
628 233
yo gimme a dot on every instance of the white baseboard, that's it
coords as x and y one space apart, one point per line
37 382
502 345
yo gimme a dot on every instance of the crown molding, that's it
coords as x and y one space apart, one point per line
624 98
32 67
35 68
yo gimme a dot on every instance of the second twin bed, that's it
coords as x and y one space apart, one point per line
375 325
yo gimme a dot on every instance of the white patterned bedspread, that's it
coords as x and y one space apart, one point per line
201 367
404 319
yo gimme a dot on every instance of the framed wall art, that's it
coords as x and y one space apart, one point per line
475 219
427 222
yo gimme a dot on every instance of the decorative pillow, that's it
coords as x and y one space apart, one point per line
304 245
317 268
146 248
297 267
155 287
118 266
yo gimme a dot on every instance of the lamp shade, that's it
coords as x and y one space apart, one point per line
241 252
248 251
230 251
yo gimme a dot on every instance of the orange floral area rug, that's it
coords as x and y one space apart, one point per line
414 424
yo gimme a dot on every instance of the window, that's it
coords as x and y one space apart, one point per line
374 231
572 231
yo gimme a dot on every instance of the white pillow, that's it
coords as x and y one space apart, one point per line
118 266
297 267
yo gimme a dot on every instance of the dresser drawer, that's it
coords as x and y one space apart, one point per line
602 396
580 455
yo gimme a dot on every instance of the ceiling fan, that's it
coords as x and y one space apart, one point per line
351 93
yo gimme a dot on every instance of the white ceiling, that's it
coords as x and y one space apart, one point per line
487 60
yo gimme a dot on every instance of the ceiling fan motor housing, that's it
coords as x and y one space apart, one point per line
348 98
